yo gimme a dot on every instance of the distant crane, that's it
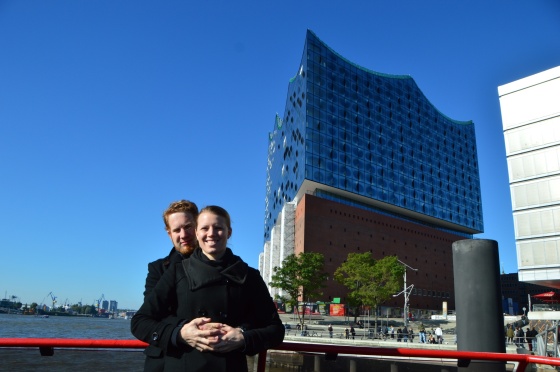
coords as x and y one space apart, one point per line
99 301
53 298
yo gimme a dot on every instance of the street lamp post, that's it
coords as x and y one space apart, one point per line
406 292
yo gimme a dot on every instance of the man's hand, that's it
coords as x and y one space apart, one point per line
201 334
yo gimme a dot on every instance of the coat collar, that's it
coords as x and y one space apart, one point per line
201 272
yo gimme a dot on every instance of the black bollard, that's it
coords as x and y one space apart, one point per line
480 321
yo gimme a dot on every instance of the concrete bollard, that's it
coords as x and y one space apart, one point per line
480 320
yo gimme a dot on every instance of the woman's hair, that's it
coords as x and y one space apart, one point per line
218 211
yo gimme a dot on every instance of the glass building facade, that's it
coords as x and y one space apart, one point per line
371 137
531 121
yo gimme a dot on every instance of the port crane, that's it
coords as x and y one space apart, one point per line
53 298
99 301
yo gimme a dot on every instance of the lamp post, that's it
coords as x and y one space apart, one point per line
359 305
406 292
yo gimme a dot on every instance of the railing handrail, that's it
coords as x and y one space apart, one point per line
521 359
73 342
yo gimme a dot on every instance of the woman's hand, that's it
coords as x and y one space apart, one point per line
231 339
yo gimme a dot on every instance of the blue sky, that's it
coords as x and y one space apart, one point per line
109 110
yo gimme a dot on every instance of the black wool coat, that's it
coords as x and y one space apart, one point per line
228 292
155 355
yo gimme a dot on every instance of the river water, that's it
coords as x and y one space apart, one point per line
29 359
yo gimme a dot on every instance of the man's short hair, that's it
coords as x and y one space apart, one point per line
179 206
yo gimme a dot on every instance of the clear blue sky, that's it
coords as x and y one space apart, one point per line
109 110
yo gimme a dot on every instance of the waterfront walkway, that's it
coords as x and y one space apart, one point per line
318 333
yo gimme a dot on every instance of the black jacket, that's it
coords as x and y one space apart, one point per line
229 292
154 355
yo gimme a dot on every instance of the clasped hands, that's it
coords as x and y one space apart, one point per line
204 336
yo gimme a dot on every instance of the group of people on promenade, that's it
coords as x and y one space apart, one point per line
516 335
204 308
404 334
350 332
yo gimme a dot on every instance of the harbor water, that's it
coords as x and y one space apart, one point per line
29 359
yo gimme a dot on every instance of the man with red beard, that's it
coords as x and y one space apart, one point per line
180 223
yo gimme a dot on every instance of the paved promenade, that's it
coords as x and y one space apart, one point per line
317 330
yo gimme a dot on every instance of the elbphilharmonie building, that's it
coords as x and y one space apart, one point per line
361 161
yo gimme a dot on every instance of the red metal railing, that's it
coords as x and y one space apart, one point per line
72 342
47 345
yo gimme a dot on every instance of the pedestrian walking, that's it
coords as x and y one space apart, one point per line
439 335
534 339
509 334
422 333
520 338
529 337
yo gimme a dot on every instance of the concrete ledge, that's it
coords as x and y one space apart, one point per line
543 315
510 349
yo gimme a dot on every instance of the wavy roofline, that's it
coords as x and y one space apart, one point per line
390 76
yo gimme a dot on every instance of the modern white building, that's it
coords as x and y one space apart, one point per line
531 122
280 246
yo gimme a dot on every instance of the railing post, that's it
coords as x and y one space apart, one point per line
261 362
352 365
556 339
317 363
46 350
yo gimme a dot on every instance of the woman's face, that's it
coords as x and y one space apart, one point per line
212 234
